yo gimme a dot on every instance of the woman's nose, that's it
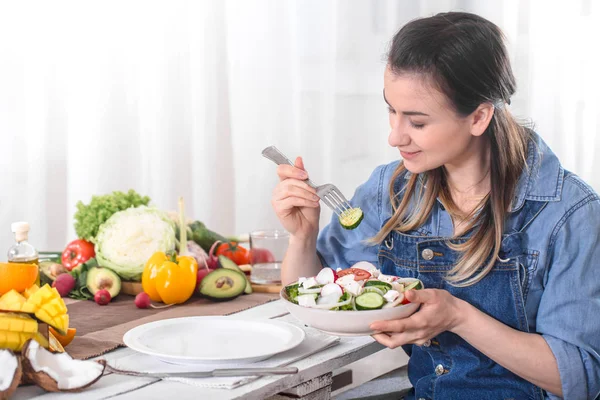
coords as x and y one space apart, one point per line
397 137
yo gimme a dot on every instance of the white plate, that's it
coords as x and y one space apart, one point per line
213 340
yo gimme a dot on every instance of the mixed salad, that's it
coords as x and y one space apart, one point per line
360 287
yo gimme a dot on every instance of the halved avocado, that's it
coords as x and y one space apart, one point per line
99 278
49 270
223 284
227 263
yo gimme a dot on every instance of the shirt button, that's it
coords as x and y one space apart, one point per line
422 398
439 370
427 254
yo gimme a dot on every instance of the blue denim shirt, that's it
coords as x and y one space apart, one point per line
562 288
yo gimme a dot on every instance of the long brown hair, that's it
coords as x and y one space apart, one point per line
465 56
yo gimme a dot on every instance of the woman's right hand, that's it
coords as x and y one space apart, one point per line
295 202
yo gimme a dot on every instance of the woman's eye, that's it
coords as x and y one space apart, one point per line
417 126
391 110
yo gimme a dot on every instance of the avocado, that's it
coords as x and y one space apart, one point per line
99 278
227 263
222 284
49 270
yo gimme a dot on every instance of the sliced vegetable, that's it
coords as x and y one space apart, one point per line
369 301
350 219
378 283
331 289
325 276
359 274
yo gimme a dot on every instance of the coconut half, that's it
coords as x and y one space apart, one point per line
10 373
58 372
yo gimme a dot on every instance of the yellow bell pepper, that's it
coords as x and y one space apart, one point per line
169 279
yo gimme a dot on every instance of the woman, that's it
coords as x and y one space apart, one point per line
480 209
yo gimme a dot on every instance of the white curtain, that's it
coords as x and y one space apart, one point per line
177 98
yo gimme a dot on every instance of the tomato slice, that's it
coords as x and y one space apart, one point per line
359 274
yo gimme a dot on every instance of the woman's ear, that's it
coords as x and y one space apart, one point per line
481 117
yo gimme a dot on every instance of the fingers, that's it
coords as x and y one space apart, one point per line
285 171
293 193
299 163
421 296
393 340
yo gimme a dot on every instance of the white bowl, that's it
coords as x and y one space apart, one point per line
346 323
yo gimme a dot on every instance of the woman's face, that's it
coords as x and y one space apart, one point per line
424 126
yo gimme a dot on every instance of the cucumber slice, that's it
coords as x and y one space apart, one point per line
416 285
369 301
378 283
292 292
351 218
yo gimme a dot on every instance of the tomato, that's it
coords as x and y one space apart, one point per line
76 253
359 274
234 252
258 256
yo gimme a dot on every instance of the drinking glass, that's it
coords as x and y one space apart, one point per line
267 249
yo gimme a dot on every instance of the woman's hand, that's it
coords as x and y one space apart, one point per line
439 312
295 202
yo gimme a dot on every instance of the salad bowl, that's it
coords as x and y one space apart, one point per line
349 320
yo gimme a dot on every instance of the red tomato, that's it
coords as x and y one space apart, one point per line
258 256
76 253
359 274
234 252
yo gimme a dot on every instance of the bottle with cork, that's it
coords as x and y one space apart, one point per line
22 251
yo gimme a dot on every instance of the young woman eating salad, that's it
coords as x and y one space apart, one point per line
504 239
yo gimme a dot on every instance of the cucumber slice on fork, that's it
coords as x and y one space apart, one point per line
351 218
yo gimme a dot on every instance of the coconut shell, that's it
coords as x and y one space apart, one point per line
15 382
45 381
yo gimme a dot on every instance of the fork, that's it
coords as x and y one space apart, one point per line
329 193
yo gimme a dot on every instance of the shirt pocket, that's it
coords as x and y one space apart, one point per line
528 263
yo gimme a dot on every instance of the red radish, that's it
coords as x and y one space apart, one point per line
142 300
102 297
202 272
325 276
64 283
332 289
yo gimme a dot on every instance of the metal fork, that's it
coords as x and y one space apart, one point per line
329 193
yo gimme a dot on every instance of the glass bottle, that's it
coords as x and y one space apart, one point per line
22 251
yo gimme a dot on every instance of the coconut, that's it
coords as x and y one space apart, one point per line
10 373
58 372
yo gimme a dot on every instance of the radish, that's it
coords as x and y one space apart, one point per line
326 275
367 266
332 289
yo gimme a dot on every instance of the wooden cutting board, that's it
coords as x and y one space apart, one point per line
133 288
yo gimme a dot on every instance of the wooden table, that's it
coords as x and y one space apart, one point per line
312 382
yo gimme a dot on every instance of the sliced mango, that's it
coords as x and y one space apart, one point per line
17 323
16 329
14 301
49 307
31 290
16 340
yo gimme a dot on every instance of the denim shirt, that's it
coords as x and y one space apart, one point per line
562 254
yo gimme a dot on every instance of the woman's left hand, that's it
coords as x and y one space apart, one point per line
439 312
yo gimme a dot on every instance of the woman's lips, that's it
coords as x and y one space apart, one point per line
409 155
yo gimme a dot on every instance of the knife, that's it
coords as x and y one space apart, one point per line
224 372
